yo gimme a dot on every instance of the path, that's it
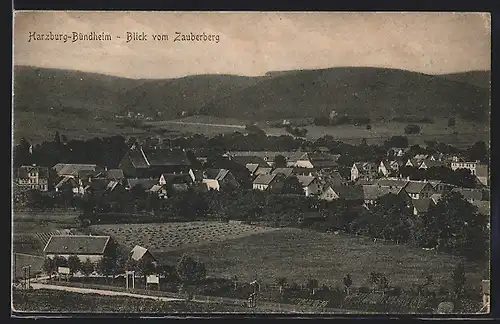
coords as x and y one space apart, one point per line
100 292
201 124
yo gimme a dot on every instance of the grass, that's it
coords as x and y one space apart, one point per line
21 260
302 254
171 236
68 302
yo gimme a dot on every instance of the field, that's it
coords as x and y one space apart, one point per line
68 302
171 236
21 260
468 132
302 254
32 229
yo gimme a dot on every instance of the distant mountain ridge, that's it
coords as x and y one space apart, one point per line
373 92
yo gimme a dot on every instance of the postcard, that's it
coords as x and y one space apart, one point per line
177 163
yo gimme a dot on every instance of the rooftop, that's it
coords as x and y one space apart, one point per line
76 244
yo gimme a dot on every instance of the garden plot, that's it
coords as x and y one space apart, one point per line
171 236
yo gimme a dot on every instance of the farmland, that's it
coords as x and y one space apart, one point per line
302 254
68 302
171 236
21 260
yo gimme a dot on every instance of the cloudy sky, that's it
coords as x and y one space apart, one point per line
255 43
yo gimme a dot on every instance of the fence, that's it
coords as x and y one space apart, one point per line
262 305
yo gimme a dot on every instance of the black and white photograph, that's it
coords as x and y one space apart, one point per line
236 162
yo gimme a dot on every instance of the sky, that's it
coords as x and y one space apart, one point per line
253 43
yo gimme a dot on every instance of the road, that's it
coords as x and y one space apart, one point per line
199 124
100 292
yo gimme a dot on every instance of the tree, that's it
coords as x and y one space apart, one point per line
397 141
57 138
478 151
146 267
106 266
49 266
451 122
279 161
347 283
291 185
453 225
60 261
190 271
74 264
87 267
390 218
312 285
281 283
459 280
368 127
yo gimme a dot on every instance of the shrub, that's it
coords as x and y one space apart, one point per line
412 129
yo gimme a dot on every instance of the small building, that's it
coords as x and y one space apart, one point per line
144 184
33 177
478 169
74 170
82 246
141 253
271 182
387 168
363 170
348 193
159 190
430 163
310 185
223 177
287 172
373 192
419 189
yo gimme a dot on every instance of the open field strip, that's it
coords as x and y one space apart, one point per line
302 254
166 237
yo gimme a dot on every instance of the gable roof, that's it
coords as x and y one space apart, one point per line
481 170
323 160
252 167
270 155
263 171
265 179
432 163
66 180
76 244
373 192
349 192
245 160
416 186
23 171
144 183
422 205
334 179
436 197
217 174
70 169
145 158
305 180
138 252
115 174
211 184
365 166
177 177
392 183
470 194
286 171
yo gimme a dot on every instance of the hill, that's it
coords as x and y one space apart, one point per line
477 78
374 92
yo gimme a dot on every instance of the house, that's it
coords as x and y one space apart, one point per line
268 156
144 184
114 174
436 198
320 161
141 253
334 179
421 206
373 192
392 183
33 177
271 182
349 193
149 163
310 185
413 163
246 160
73 170
82 246
159 190
387 168
429 163
252 168
287 172
441 187
419 189
263 171
69 184
304 171
480 170
471 195
220 178
363 170
179 178
397 151
96 186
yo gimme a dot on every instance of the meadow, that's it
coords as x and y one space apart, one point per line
302 254
171 236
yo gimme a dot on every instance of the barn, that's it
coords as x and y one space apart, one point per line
82 246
